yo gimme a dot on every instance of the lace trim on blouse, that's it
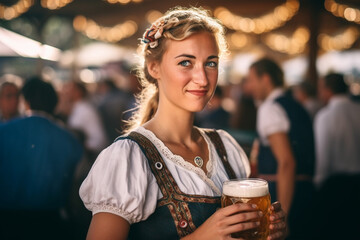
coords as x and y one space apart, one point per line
177 159
96 208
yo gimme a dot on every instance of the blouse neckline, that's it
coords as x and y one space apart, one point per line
180 161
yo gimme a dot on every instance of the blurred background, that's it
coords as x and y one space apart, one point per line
74 38
95 40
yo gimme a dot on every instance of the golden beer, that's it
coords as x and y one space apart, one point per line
252 191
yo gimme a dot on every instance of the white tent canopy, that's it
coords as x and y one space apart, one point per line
97 54
13 44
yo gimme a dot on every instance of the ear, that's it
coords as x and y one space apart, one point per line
153 69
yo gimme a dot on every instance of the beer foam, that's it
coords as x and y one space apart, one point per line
247 188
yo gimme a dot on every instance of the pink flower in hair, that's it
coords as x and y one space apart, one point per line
155 32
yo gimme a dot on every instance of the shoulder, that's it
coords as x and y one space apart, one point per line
32 123
123 156
271 113
226 137
121 182
83 107
272 118
121 147
271 108
346 105
324 115
321 114
236 155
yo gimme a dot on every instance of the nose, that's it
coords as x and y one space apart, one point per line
200 76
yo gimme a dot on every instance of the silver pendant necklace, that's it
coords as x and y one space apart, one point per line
198 161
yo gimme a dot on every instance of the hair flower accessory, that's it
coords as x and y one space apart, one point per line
155 32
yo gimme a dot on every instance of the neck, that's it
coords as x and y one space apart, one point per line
268 91
176 127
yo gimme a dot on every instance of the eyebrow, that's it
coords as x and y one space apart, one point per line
192 56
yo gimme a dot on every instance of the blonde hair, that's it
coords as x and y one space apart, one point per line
188 22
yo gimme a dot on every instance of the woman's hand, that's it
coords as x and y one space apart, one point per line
231 219
277 222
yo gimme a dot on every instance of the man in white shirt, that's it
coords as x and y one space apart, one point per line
286 152
305 93
337 130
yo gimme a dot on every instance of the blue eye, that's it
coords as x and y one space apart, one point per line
211 64
185 63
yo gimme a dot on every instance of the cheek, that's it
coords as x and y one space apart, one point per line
251 87
15 102
181 79
213 77
174 83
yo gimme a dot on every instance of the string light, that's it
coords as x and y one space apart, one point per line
239 40
123 1
265 23
54 4
339 42
343 11
108 34
294 45
152 15
10 12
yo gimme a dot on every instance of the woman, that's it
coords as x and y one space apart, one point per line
163 179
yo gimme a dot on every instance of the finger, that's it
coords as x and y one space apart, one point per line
238 207
241 227
277 216
276 206
242 217
277 226
275 235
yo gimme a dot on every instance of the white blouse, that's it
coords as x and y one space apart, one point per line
121 182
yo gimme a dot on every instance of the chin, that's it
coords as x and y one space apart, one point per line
197 109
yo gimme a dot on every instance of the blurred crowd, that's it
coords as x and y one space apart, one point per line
50 137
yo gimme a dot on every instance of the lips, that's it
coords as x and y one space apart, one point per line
198 92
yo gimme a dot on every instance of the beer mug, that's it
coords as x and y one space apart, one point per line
251 191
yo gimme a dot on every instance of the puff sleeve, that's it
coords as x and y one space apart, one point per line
271 119
121 182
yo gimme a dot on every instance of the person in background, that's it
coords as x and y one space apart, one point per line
243 121
163 178
9 101
337 130
113 104
85 119
286 151
244 118
337 137
38 158
305 93
214 115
